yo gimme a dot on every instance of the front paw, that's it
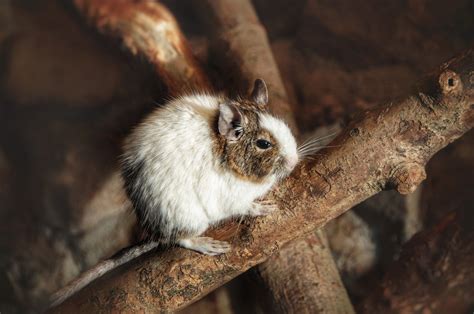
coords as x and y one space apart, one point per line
263 208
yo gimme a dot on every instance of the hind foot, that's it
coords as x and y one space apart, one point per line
263 208
205 245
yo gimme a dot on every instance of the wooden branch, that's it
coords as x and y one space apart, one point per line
386 147
303 278
433 274
148 29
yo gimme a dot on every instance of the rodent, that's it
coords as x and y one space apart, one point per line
196 161
202 159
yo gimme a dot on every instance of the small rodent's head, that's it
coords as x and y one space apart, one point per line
254 144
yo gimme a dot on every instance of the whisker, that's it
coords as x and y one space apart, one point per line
314 140
315 147
319 146
312 150
310 157
322 137
308 140
311 141
310 146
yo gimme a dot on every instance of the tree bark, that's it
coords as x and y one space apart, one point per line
386 147
303 278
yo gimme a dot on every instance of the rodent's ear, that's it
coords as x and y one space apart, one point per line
260 93
230 121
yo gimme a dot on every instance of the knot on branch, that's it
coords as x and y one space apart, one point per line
450 83
408 176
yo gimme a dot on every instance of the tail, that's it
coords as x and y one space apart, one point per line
99 270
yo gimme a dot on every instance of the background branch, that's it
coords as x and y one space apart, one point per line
148 29
303 278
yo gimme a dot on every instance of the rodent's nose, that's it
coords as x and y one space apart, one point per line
291 162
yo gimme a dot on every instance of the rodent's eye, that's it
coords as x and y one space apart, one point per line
263 144
238 133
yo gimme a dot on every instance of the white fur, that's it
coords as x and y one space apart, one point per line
189 187
283 135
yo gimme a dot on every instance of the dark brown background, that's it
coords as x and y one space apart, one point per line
68 96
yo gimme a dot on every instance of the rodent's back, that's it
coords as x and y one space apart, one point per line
161 157
170 128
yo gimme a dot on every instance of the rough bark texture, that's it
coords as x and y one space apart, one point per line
433 275
386 147
303 278
148 29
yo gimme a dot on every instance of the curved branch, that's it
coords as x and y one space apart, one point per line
148 29
376 151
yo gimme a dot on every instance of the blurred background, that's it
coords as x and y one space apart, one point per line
68 97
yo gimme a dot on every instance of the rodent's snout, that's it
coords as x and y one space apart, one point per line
291 162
